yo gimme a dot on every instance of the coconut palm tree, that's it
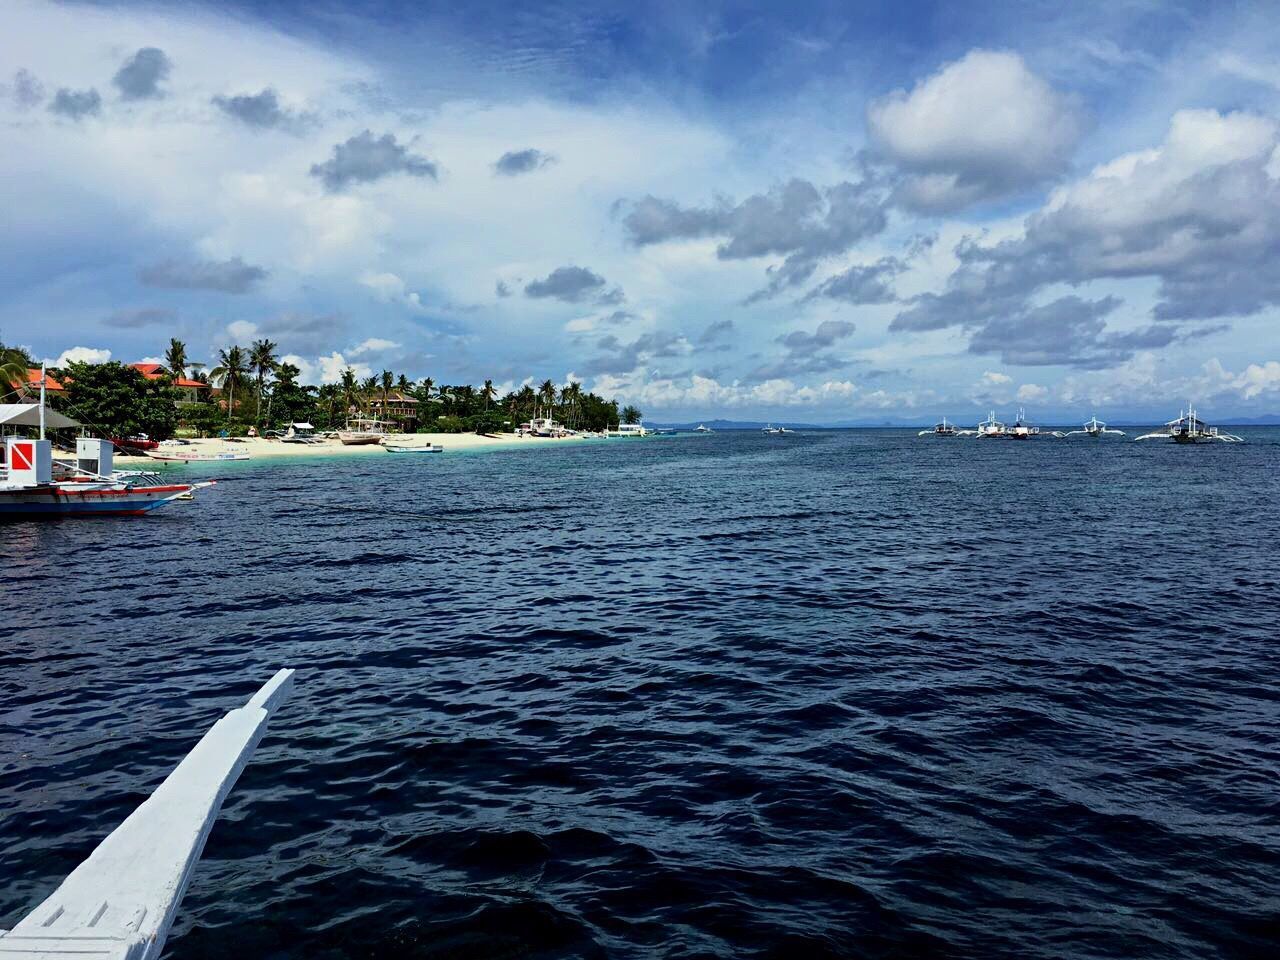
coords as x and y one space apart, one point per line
547 394
14 364
349 391
230 373
488 393
175 358
262 360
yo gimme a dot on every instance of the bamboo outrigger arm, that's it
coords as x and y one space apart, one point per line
120 902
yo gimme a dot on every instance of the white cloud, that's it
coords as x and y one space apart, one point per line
306 369
980 128
332 366
373 345
1032 392
239 330
80 355
993 379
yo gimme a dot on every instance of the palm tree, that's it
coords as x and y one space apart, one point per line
488 393
403 384
175 359
631 414
263 360
14 364
349 392
230 373
387 382
547 393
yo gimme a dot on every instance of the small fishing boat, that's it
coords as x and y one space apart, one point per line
943 429
361 431
1189 428
412 448
1094 428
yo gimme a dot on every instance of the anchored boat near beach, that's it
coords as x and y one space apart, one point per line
1189 428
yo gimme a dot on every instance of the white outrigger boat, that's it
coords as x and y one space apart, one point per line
121 901
1189 428
702 428
943 429
773 431
1093 428
86 486
990 427
1020 429
363 430
181 455
412 448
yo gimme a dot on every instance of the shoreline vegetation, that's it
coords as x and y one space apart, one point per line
252 397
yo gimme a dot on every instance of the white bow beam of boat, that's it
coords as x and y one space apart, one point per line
1093 428
120 902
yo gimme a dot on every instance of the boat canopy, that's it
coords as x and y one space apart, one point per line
28 415
303 426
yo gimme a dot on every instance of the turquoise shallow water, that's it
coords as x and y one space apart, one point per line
845 693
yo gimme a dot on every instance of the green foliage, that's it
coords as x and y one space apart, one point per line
14 364
631 414
119 401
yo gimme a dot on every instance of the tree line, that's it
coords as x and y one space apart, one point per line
257 389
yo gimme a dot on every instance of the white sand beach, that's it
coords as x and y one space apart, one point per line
260 449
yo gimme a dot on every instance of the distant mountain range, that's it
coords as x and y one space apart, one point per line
1270 419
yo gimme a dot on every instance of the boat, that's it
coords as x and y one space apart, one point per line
663 431
942 429
361 431
412 448
702 428
1020 429
991 428
771 430
84 486
138 441
628 430
1093 428
300 433
180 456
120 902
1189 428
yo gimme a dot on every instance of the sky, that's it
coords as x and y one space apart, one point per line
818 212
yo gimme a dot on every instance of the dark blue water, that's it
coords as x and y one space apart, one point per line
831 695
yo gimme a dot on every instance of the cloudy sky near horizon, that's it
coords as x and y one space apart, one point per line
750 210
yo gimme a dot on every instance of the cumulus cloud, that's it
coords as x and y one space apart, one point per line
139 77
716 332
1200 213
1032 393
365 158
795 220
807 353
981 128
26 90
617 357
145 317
80 355
390 288
515 162
501 289
260 110
227 276
828 333
373 345
76 103
861 284
333 365
573 285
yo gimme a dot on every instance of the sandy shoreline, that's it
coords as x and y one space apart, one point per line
260 449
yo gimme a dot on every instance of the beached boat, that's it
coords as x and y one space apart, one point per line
363 430
120 902
943 429
1189 428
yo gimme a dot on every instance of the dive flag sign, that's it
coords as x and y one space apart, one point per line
23 456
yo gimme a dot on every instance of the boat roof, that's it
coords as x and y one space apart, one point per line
28 415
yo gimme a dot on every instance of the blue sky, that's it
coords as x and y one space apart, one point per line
805 211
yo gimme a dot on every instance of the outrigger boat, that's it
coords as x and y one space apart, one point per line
86 486
775 431
1189 428
1094 428
362 430
179 457
991 427
409 448
942 429
121 901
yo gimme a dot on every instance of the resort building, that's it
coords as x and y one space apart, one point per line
191 391
31 386
399 408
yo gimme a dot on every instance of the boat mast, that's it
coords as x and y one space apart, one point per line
42 379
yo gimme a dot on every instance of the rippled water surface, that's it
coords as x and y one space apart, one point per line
830 695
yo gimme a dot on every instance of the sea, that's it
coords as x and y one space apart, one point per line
848 693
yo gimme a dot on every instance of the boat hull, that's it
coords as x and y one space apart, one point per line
61 502
359 439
